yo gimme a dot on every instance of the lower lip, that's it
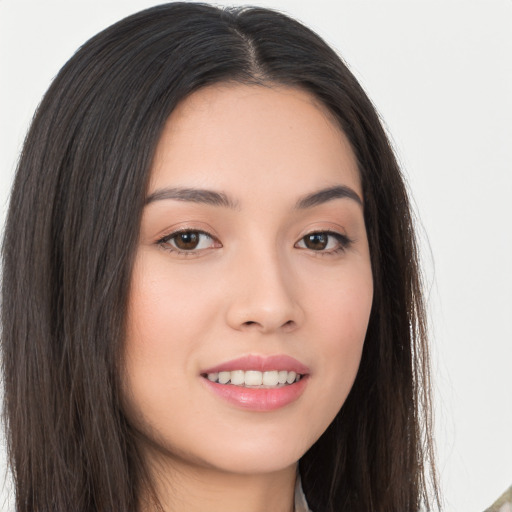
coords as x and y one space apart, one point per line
262 399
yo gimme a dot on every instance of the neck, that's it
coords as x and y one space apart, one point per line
189 488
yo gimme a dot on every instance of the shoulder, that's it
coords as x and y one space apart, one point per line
503 503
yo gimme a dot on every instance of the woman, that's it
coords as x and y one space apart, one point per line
210 283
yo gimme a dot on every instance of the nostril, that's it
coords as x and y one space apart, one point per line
290 325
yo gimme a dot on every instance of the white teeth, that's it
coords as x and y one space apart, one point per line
270 378
253 378
224 377
238 377
291 377
274 378
213 376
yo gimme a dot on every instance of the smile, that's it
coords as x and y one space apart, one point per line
255 378
258 383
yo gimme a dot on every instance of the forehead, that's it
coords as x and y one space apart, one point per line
263 135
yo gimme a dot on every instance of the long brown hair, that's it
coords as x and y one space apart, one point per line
71 235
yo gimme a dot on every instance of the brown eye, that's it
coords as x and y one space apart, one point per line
187 241
326 242
316 241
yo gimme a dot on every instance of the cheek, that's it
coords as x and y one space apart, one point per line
340 312
345 316
161 337
339 304
166 308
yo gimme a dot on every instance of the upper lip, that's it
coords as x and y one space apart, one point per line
260 363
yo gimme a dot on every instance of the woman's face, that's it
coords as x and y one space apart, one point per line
252 269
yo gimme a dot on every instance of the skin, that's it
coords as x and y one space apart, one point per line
254 287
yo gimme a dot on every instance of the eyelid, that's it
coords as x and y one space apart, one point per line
197 226
343 240
163 241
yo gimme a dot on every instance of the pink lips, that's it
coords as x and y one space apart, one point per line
259 399
261 364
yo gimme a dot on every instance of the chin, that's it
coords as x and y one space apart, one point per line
246 461
230 452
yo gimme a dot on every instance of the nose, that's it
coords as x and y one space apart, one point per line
263 295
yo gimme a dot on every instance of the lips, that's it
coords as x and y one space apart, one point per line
258 383
260 364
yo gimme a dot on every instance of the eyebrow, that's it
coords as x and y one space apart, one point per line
194 195
327 194
210 197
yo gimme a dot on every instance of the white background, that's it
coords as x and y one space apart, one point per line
440 73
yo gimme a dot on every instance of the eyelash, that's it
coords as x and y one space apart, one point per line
344 242
164 242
